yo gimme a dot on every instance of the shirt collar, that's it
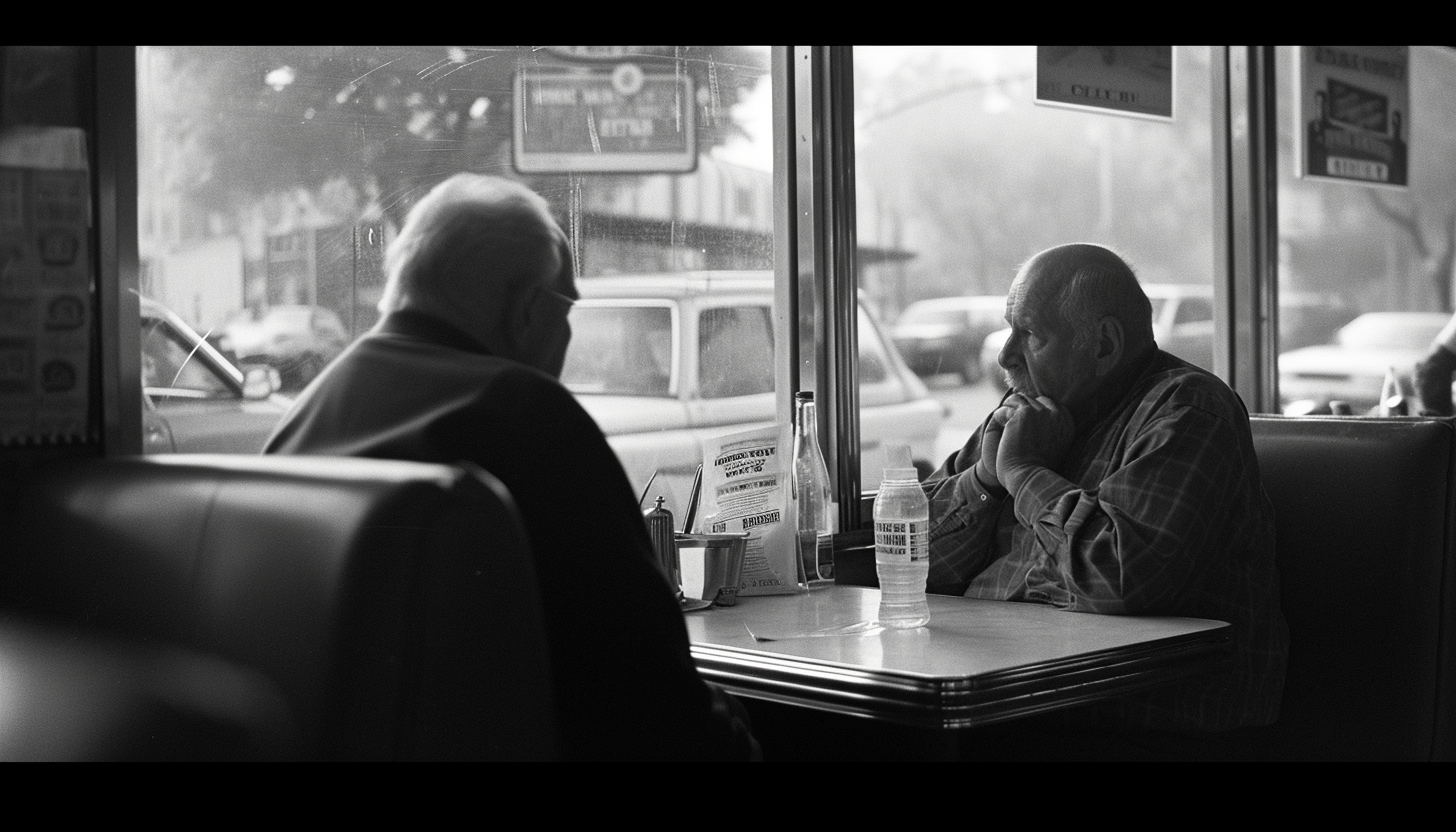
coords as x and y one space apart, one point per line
1112 395
413 323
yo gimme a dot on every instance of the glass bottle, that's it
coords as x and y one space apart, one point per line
816 514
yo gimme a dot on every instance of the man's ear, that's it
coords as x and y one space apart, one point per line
1111 343
521 316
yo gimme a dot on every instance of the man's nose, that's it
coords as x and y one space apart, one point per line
1010 354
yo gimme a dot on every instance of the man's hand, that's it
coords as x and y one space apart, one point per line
1036 434
1433 381
991 442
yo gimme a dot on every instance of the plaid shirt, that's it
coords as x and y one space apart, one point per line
1156 509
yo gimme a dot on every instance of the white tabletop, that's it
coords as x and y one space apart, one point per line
976 662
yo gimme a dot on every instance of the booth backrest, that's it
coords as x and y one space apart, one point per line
1364 513
76 696
393 604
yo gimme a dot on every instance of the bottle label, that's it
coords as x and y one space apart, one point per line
902 541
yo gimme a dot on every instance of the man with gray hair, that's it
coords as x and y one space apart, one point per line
464 365
1116 478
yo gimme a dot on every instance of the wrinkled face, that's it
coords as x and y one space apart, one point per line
1040 357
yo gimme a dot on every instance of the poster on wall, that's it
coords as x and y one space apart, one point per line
1354 114
1124 80
45 285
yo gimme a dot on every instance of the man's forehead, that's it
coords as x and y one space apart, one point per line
1020 299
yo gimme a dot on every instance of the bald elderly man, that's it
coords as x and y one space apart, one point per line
464 365
1116 478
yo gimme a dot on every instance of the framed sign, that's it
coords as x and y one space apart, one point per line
604 120
1125 80
1354 113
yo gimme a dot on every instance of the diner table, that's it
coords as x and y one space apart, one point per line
977 662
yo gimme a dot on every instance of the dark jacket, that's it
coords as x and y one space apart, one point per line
416 388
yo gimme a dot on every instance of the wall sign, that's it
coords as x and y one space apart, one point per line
614 119
1126 80
45 285
1354 111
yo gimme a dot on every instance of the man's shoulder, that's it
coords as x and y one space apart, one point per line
413 355
1172 382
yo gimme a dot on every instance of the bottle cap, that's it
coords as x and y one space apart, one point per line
897 455
902 474
804 396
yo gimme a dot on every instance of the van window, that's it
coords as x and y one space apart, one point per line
735 351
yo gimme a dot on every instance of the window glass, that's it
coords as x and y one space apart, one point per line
1193 310
620 350
1365 270
735 351
272 178
962 176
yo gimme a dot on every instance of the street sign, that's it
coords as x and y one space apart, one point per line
610 120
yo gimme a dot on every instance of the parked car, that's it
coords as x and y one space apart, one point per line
1353 368
662 362
296 340
1182 325
194 400
944 335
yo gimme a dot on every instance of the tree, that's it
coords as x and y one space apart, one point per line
378 124
985 177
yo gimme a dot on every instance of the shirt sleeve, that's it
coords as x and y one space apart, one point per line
1136 541
963 519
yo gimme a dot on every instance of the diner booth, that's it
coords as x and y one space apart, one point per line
189 234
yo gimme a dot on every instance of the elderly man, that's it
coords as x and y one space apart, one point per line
1116 478
464 365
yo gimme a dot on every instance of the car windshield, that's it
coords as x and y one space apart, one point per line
619 351
1386 332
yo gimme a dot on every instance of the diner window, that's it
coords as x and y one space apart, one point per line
1367 207
962 173
284 171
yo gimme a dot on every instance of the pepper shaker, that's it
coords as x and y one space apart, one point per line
664 543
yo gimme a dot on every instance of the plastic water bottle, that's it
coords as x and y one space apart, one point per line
902 549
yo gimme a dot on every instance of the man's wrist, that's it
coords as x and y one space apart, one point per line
991 486
1013 478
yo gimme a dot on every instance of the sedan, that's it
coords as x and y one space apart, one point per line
944 335
296 340
663 362
194 399
1354 367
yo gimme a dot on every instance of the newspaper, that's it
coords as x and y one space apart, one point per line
745 488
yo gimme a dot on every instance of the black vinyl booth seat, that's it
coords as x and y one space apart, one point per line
1365 524
392 605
